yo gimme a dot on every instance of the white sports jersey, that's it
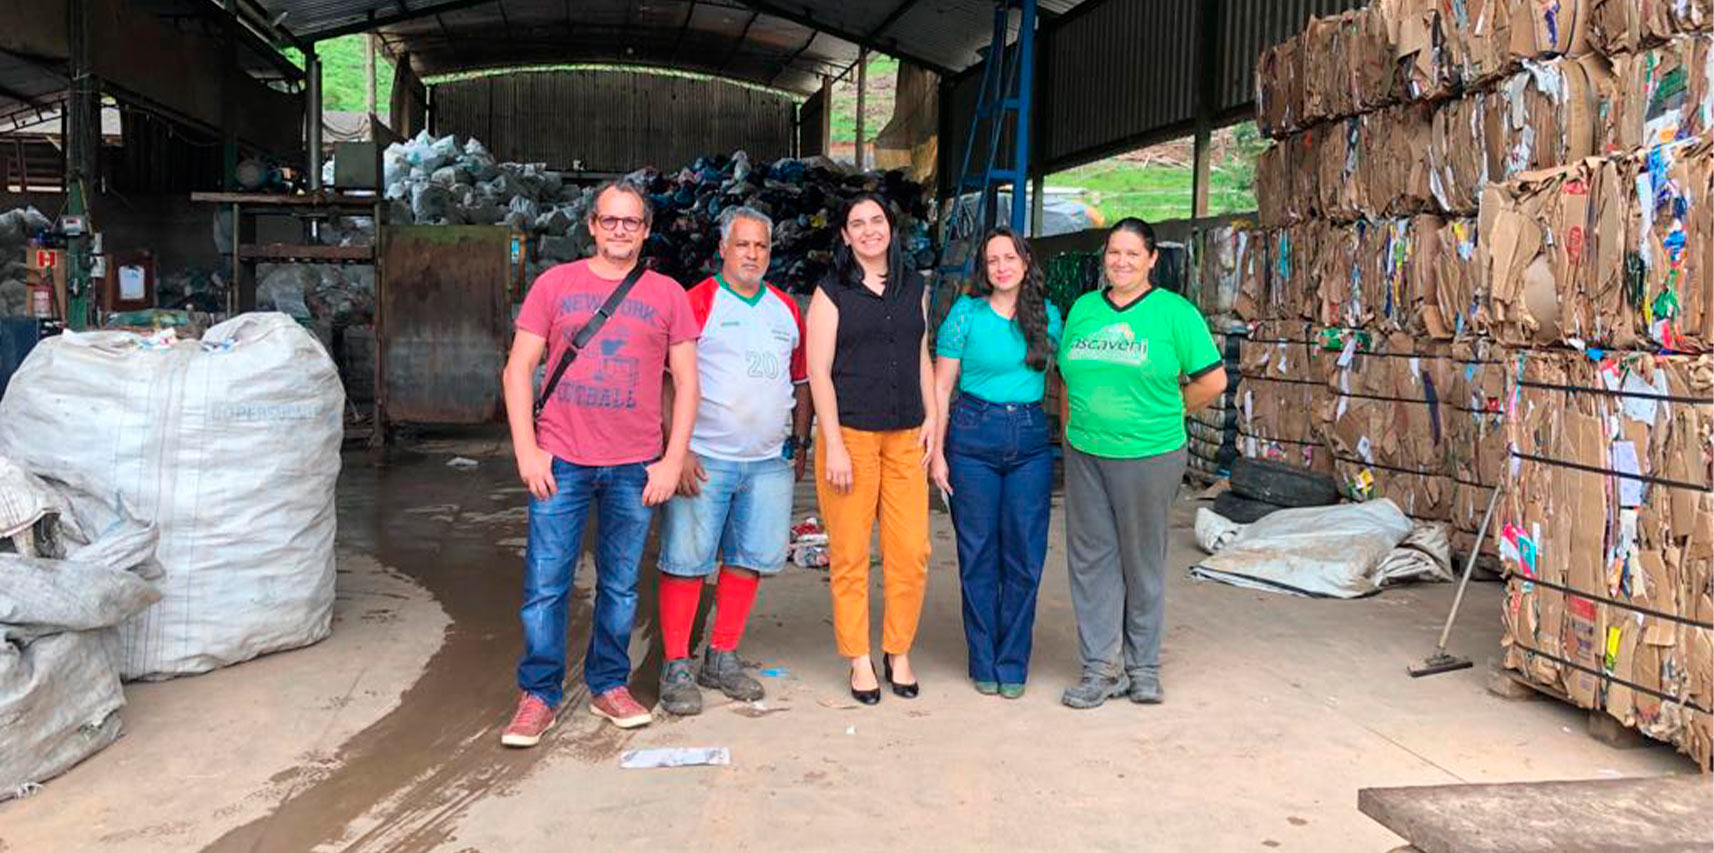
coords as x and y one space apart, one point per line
748 359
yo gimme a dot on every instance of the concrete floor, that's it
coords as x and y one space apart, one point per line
384 737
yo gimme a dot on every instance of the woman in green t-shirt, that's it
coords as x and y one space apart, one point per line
994 454
1134 359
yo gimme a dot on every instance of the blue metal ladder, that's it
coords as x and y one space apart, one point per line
1008 78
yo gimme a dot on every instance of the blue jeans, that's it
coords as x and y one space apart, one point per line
742 518
556 542
1000 466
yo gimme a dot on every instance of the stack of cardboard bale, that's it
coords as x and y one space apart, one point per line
1487 258
1212 284
1598 283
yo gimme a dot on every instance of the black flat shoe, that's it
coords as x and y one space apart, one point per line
867 697
908 691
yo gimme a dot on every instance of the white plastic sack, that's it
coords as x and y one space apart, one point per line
11 229
1341 551
59 682
282 288
230 445
395 164
1215 531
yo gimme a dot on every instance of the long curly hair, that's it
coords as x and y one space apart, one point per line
1031 314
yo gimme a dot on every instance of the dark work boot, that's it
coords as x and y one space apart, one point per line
679 694
1094 690
721 670
1146 690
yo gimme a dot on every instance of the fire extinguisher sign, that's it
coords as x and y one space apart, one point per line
46 259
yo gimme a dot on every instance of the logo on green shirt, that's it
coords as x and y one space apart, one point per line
1115 344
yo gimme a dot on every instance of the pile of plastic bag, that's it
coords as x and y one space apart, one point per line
16 228
431 181
193 289
340 293
800 195
69 579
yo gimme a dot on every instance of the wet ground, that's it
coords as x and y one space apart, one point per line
385 736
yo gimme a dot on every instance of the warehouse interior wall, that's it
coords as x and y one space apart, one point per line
614 120
178 233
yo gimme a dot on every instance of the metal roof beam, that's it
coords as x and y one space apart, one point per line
892 17
255 34
457 45
689 12
407 15
739 41
254 16
794 57
805 20
22 98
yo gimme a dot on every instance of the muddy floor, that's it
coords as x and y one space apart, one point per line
385 736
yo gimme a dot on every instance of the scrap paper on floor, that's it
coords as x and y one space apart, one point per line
644 759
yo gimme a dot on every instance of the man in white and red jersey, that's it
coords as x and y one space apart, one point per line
733 509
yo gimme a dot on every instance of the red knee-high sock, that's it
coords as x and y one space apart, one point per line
733 595
679 597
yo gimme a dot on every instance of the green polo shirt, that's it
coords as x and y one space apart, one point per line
1122 369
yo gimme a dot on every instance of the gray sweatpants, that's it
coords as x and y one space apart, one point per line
1116 542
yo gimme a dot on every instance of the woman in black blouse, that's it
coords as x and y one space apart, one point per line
873 387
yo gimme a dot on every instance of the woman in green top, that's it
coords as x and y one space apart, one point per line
1134 359
993 455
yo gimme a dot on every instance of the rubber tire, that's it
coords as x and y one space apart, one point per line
1282 485
1236 507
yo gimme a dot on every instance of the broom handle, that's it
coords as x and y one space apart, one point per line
1469 567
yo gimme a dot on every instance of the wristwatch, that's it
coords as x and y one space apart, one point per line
794 444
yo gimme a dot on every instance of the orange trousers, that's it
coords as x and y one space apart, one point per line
889 483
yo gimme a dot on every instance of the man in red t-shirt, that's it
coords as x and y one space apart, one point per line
596 445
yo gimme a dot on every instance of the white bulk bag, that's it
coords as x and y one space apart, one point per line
229 445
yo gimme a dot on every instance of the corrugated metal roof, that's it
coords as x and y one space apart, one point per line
1249 26
29 90
717 38
1117 69
787 44
1117 74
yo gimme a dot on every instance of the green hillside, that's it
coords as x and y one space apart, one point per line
342 75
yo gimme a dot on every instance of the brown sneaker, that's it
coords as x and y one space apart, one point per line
532 720
618 706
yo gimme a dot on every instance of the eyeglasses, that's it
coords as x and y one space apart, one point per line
614 223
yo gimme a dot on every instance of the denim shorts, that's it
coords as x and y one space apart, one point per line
742 518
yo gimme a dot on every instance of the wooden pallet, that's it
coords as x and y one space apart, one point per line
1663 814
1604 727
